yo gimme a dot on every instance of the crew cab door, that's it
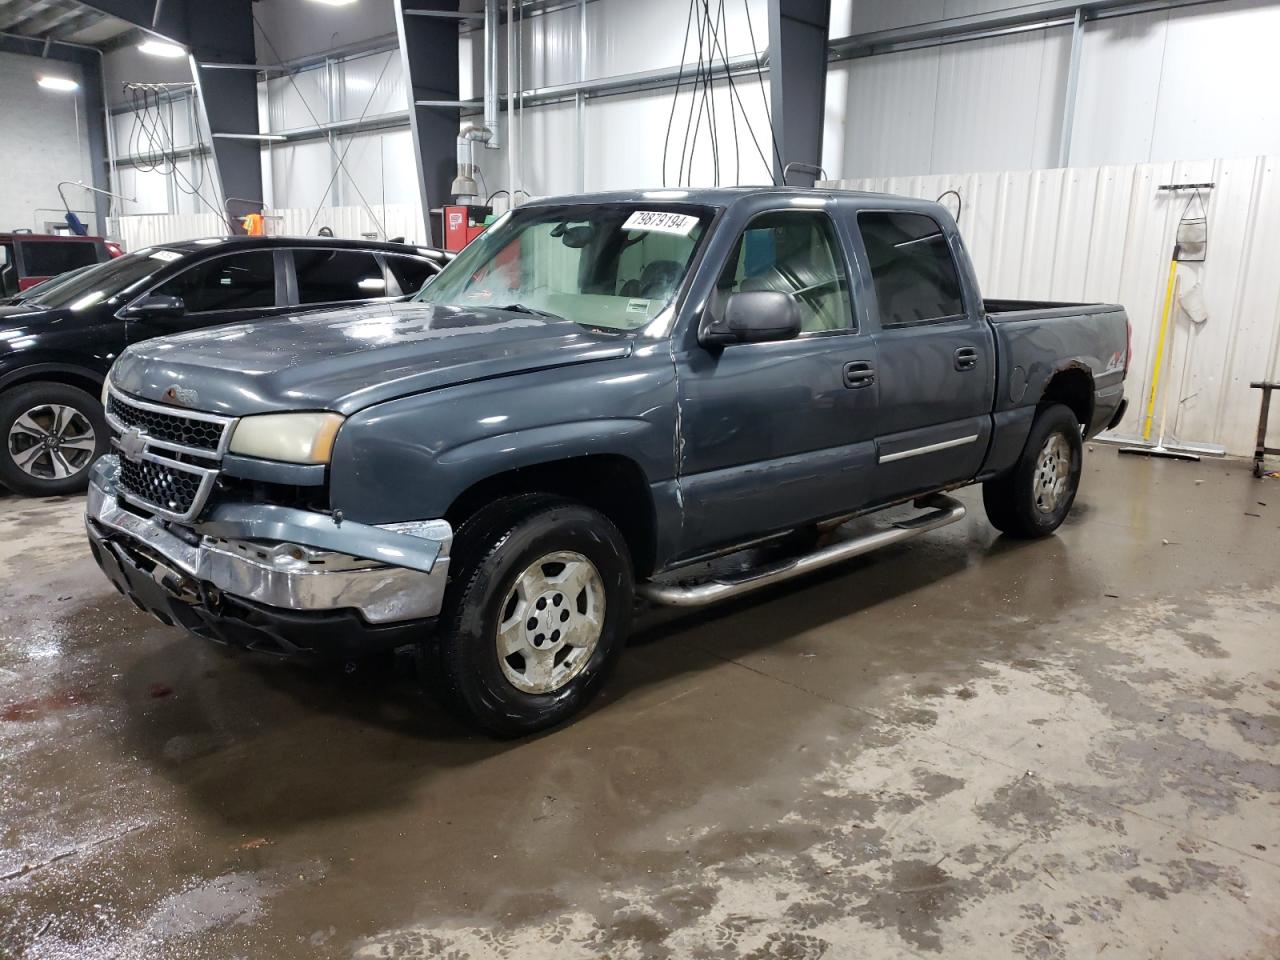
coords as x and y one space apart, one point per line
778 434
935 356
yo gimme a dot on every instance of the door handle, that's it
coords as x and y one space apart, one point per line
966 358
859 374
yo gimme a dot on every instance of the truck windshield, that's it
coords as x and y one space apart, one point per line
611 266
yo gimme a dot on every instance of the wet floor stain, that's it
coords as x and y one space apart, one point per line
962 749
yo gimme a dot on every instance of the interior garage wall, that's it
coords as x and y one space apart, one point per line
1188 83
1105 234
41 144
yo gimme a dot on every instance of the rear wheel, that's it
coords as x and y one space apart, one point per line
536 614
1033 498
50 434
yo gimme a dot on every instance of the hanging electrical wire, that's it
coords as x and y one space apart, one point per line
684 46
723 50
755 51
712 56
152 145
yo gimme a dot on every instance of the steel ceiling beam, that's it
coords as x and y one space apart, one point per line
429 49
798 85
14 17
1032 16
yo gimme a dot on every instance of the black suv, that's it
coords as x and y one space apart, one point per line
56 346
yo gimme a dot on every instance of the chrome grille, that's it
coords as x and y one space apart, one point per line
183 431
164 485
168 458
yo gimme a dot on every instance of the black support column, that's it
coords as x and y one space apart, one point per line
429 45
798 83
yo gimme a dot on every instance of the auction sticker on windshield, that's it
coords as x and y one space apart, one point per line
659 221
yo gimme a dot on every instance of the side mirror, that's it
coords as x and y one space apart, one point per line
156 306
753 316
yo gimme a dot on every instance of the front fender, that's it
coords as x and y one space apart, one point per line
409 459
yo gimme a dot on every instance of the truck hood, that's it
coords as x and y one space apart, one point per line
346 360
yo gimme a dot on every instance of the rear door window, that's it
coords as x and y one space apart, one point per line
48 258
239 281
912 268
410 274
334 276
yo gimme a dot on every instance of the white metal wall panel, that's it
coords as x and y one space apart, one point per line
1106 234
372 86
353 223
136 232
986 104
294 101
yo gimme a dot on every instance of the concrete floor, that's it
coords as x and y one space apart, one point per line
964 746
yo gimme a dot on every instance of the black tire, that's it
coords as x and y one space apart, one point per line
491 552
1020 503
42 477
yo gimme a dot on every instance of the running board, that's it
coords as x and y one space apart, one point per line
942 510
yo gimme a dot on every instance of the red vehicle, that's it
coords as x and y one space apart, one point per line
30 258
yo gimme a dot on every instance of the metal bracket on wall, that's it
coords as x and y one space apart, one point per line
1186 186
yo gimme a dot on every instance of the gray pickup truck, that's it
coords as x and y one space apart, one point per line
597 397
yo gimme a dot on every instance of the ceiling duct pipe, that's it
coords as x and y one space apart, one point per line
491 18
464 187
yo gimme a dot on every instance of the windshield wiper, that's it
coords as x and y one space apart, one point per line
532 311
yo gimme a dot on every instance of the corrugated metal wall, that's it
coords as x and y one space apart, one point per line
1189 83
1105 234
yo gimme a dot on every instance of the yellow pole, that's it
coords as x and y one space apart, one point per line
1164 328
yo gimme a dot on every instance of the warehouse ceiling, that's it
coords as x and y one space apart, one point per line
59 20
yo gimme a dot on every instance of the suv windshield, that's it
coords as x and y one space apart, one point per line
94 284
611 266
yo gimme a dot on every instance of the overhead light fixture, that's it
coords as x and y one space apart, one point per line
65 84
159 48
335 3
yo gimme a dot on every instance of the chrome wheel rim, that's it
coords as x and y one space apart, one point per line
52 441
550 622
1053 474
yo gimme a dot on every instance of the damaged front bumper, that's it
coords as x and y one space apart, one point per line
273 578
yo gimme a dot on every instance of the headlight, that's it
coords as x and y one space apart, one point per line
291 437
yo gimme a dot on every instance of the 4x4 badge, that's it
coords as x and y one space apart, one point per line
132 443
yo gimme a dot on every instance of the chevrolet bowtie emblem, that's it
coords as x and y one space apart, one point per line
131 443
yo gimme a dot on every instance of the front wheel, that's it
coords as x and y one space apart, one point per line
1033 498
50 434
537 612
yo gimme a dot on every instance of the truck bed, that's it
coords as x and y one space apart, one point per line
1011 311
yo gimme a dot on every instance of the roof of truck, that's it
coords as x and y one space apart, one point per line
709 196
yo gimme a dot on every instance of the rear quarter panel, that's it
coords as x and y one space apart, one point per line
1034 345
